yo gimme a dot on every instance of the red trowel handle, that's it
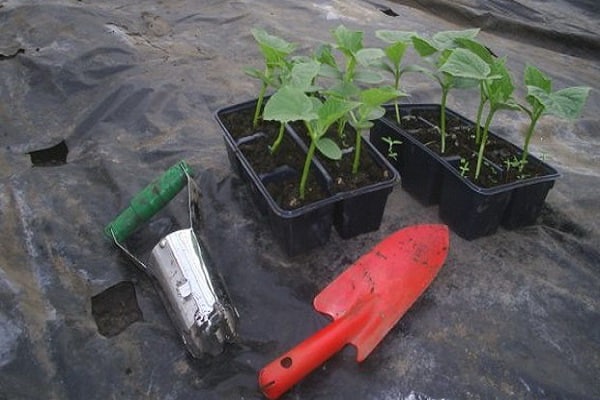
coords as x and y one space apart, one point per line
281 374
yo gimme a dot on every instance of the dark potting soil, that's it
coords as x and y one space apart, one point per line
345 180
433 117
500 160
285 190
369 172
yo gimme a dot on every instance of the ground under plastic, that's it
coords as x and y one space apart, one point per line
121 90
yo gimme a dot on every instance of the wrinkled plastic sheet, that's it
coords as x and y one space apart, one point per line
98 98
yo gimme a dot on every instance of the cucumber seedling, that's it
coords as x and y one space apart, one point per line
435 52
565 103
275 52
398 43
292 104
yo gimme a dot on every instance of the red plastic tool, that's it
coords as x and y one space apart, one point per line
365 302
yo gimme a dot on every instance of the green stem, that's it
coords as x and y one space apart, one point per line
478 119
349 75
357 150
273 148
341 127
397 86
443 119
534 119
484 137
259 102
307 161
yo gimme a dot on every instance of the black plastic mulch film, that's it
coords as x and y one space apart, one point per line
98 99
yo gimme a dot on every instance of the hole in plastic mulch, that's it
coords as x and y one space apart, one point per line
115 309
52 156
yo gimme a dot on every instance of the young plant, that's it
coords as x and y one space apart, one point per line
358 59
496 87
499 93
463 167
275 52
290 103
357 67
391 153
301 78
565 103
484 54
398 44
435 52
514 163
369 108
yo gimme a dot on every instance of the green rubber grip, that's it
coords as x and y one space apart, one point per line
148 202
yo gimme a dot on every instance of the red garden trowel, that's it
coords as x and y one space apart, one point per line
365 302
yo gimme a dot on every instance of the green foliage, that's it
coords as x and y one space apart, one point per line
291 103
344 82
463 167
463 63
399 43
391 152
566 103
358 59
369 109
436 52
275 52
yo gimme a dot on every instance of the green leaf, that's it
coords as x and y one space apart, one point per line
289 104
464 63
332 110
423 46
324 55
446 39
343 90
363 124
277 43
565 103
395 52
477 48
416 68
500 90
274 48
464 83
442 57
329 148
395 37
570 101
348 42
369 113
509 104
366 57
534 77
377 96
328 71
388 68
368 76
255 73
303 75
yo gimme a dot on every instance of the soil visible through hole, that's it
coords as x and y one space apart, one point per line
115 309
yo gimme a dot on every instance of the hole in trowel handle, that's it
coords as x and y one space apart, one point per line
286 362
